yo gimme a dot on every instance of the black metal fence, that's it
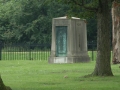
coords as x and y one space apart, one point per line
18 51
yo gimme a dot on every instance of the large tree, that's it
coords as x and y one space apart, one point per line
101 9
2 86
103 66
116 31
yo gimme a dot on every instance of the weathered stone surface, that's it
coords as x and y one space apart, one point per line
69 41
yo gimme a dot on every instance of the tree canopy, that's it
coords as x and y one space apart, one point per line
31 21
28 20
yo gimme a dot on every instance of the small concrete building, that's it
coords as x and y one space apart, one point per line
69 40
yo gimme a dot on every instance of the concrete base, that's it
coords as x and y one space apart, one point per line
68 59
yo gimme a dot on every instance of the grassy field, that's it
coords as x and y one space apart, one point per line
39 75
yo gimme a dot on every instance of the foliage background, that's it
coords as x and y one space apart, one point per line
30 21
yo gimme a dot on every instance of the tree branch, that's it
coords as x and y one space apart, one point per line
82 4
100 6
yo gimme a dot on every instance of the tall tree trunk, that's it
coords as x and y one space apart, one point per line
103 66
116 32
2 86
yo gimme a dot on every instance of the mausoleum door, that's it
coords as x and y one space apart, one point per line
61 41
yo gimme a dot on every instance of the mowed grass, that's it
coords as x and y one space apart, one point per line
39 75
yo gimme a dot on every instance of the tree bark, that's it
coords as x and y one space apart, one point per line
103 66
116 32
2 86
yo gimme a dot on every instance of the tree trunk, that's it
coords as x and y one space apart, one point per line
116 32
103 66
2 86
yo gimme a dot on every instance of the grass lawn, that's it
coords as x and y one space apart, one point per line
39 75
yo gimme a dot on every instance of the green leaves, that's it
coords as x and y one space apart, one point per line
29 20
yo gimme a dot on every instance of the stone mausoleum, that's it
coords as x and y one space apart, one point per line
69 40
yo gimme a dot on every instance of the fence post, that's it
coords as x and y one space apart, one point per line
29 51
92 51
1 45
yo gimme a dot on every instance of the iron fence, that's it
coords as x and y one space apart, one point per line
22 51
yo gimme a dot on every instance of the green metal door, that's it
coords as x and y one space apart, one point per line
61 41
